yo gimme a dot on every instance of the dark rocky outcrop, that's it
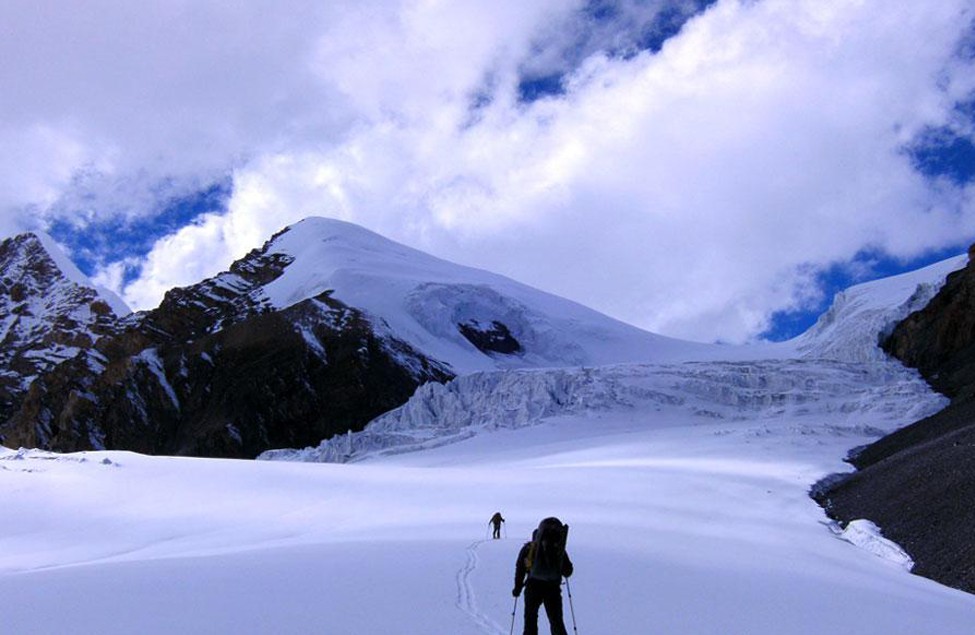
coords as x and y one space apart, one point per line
45 317
218 371
918 483
939 340
492 338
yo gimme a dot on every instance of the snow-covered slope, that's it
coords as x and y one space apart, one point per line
71 272
861 315
431 304
689 518
835 366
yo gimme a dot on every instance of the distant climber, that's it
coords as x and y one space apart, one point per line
496 520
544 562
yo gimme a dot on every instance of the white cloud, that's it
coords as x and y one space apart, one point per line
161 92
692 192
37 163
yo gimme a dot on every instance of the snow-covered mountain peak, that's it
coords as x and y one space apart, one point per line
40 280
343 244
37 255
471 319
53 251
476 320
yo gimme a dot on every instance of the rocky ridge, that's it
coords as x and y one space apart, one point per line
917 484
216 370
46 317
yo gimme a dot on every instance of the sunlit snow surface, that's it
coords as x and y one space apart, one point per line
685 486
680 523
421 299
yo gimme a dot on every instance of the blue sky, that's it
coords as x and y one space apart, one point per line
707 169
128 239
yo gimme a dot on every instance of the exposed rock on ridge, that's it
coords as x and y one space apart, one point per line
217 371
45 317
919 482
939 340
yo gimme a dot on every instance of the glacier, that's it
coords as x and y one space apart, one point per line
820 397
825 379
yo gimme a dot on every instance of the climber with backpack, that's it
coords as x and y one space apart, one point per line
496 521
542 563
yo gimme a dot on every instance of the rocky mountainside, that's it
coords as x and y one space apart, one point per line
48 313
939 340
216 370
322 329
918 483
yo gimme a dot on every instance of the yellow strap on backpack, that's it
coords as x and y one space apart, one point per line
530 557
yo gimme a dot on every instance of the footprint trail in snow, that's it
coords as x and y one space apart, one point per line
466 599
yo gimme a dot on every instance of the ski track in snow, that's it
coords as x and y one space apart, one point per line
466 598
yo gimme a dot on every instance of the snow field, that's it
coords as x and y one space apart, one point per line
679 524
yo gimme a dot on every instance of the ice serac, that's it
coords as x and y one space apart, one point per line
49 312
792 393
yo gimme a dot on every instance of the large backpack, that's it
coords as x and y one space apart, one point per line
547 550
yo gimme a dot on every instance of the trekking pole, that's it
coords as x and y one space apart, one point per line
572 609
514 610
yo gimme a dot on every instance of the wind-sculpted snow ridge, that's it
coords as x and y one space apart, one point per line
805 396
